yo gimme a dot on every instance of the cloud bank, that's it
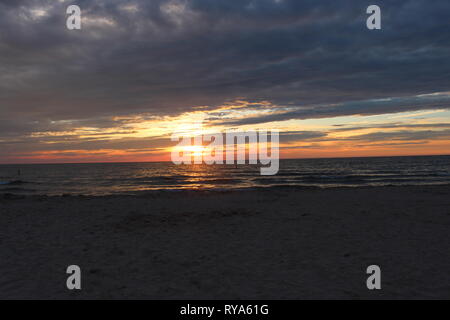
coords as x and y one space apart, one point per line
308 59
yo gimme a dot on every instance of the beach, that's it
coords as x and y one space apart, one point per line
275 243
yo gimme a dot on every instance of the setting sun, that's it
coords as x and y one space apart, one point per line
194 150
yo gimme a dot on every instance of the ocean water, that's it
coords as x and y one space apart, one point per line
125 178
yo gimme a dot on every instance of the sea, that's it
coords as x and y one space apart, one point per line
96 179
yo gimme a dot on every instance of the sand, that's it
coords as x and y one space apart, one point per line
272 244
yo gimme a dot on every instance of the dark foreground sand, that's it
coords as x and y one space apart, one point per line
284 244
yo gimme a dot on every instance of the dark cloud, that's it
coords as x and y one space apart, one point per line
171 55
396 126
367 108
392 144
296 136
284 137
403 135
408 137
74 142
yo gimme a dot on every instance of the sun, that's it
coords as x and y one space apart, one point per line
195 150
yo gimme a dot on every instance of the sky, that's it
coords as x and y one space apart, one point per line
139 70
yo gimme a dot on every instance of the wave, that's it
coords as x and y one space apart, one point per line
12 183
223 181
15 189
120 178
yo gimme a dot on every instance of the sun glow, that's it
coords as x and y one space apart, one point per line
195 151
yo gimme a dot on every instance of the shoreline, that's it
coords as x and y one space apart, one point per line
287 188
285 244
170 162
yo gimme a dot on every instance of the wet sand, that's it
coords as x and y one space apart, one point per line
272 244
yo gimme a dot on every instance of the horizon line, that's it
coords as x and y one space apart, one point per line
168 161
